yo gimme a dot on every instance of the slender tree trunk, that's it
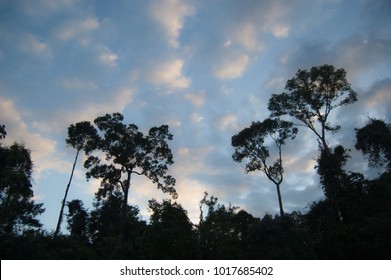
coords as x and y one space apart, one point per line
65 196
280 200
124 207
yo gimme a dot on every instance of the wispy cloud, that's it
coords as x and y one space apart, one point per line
75 83
169 74
107 57
197 98
170 14
246 36
232 68
30 43
42 149
228 121
77 29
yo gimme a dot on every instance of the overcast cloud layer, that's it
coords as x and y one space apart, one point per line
205 68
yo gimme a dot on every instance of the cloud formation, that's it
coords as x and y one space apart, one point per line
231 69
205 68
169 74
170 14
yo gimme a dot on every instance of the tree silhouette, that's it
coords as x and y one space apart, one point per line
3 133
78 220
17 209
81 135
217 231
170 234
128 152
250 144
106 223
311 97
374 140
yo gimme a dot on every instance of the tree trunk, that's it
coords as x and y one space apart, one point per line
124 207
280 200
65 196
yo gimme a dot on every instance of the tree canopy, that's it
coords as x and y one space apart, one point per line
250 144
351 221
18 210
374 140
129 152
311 97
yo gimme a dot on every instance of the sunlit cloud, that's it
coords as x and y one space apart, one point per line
59 121
170 14
246 36
231 69
197 98
228 121
169 74
205 69
42 149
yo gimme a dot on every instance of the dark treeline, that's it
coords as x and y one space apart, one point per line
352 221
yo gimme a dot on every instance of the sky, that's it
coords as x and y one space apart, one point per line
205 68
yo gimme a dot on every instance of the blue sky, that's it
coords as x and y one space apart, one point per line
205 68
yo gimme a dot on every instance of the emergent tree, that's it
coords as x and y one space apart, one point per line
130 152
311 96
81 135
250 144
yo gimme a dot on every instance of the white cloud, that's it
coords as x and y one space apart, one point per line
233 68
107 57
280 31
228 121
197 118
171 14
77 29
246 36
197 99
174 123
190 161
226 90
119 99
30 43
381 96
169 74
42 149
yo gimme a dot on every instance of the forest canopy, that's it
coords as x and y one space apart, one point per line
351 221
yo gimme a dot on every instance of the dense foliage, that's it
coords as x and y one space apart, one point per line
353 221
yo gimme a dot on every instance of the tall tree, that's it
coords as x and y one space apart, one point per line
18 210
250 144
129 152
311 97
81 135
